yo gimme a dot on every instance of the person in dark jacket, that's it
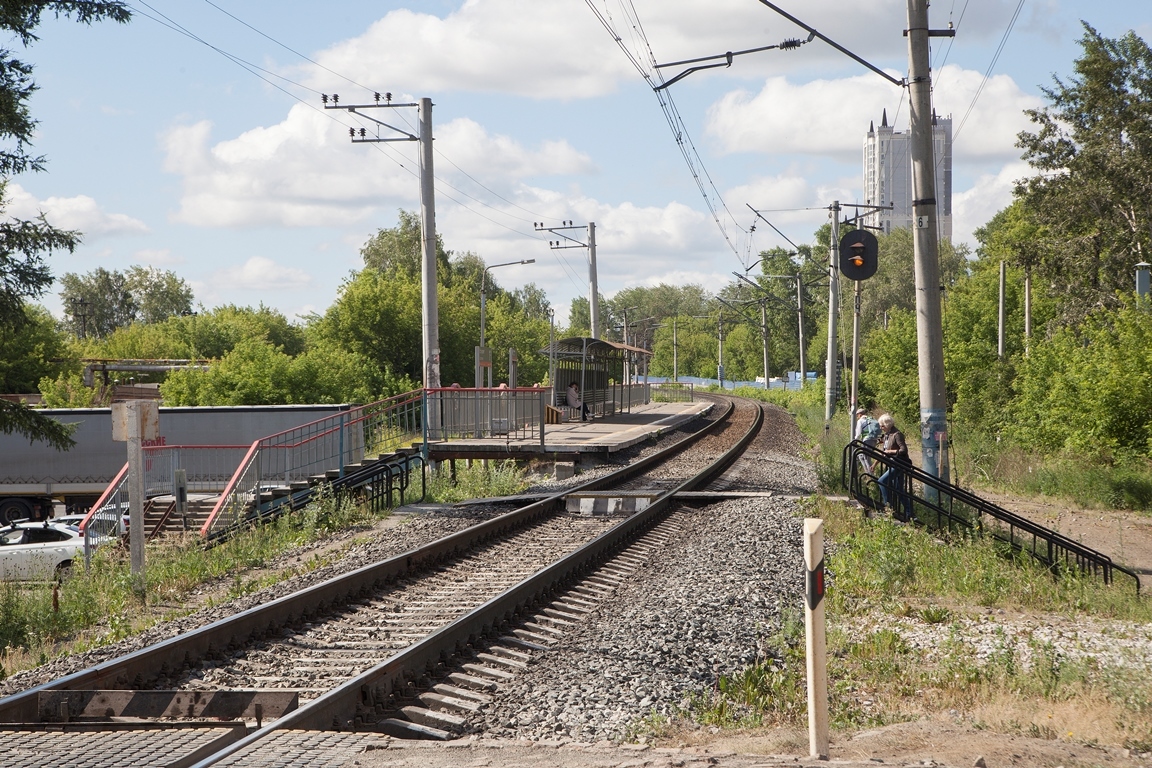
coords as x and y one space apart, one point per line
892 482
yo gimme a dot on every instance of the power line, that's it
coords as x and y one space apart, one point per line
675 122
169 23
991 66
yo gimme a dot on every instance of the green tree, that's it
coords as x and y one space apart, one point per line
159 293
29 353
23 273
1092 151
97 303
399 250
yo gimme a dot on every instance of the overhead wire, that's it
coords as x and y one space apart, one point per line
671 113
166 21
991 66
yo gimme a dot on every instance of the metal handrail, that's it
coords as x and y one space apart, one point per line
230 489
339 427
109 492
1056 551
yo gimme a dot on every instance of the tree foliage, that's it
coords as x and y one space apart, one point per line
102 301
23 273
1092 150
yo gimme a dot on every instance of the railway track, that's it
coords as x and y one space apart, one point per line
365 650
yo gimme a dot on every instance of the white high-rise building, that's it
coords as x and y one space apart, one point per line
888 175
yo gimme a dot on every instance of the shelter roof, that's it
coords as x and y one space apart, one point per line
576 346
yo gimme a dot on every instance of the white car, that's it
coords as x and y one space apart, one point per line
38 551
105 523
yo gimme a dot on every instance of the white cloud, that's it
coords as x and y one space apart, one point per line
80 213
831 117
304 171
262 273
562 51
974 207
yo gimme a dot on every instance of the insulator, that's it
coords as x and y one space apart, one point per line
352 132
324 98
377 97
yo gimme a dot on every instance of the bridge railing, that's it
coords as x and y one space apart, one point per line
322 449
928 500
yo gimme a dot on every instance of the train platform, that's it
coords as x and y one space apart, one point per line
570 440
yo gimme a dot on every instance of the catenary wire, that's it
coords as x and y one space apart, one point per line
991 66
672 115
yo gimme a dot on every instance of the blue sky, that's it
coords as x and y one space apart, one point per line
166 153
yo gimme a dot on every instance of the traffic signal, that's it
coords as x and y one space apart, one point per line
858 254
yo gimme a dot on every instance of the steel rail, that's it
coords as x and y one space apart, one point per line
358 703
255 623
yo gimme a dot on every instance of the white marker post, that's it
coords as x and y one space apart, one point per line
134 422
814 633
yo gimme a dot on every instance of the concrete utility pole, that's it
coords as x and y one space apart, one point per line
1000 323
430 313
929 327
833 314
593 290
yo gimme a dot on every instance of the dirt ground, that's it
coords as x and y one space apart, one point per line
1125 536
932 743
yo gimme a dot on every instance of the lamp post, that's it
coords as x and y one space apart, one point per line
483 307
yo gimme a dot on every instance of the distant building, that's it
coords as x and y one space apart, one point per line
888 175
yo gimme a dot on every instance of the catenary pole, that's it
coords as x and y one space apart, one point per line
764 335
593 290
429 305
800 327
833 314
1000 322
929 329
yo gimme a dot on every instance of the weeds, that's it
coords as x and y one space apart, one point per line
98 607
475 480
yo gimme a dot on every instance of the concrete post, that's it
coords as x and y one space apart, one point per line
833 314
429 303
929 326
815 645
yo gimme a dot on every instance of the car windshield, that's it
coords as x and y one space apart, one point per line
11 537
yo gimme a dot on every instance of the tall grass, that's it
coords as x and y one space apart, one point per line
476 480
99 606
1115 481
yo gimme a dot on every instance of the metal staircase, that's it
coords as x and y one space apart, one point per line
938 504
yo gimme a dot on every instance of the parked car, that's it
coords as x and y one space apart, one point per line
38 551
105 523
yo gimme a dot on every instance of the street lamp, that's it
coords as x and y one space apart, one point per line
482 355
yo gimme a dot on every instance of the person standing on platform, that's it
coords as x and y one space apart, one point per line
574 401
893 481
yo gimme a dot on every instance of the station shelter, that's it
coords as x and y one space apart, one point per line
606 372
